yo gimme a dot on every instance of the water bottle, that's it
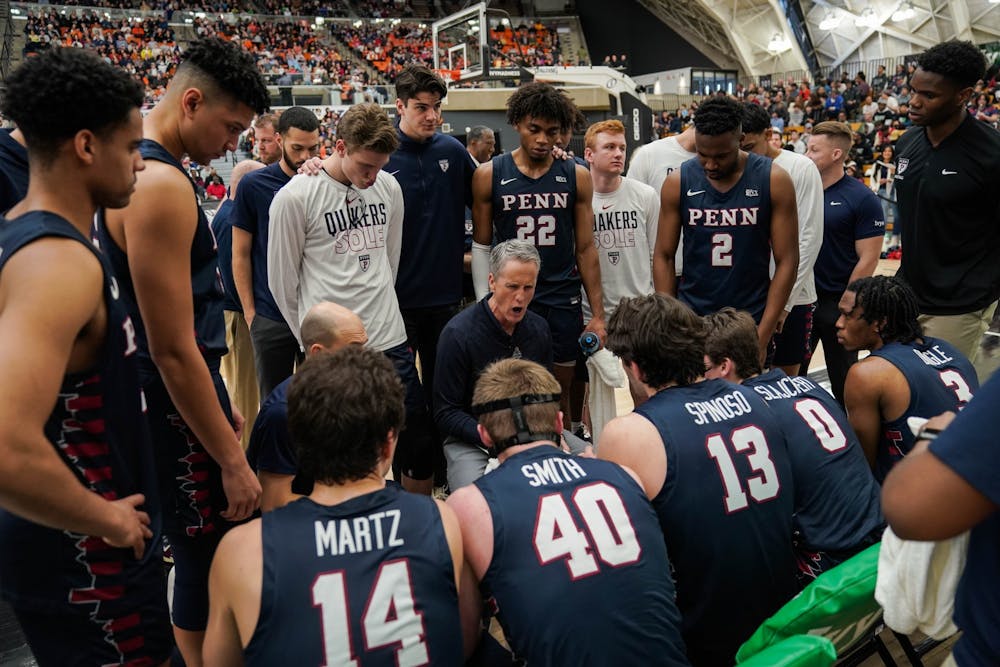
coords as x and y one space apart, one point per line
589 343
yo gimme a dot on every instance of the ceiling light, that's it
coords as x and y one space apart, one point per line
778 44
832 20
905 12
866 19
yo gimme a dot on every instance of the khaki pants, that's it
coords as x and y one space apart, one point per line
965 332
239 372
949 661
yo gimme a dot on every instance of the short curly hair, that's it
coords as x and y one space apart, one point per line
664 337
231 69
960 62
36 94
754 119
718 116
341 407
540 100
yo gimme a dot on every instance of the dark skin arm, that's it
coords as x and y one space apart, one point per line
785 248
586 251
668 236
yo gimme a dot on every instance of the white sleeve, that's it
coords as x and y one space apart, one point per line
480 269
638 169
286 240
394 226
809 203
652 222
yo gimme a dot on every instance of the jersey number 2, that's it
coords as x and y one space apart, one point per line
608 526
722 249
390 617
540 231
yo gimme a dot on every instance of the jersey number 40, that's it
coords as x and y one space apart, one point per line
609 530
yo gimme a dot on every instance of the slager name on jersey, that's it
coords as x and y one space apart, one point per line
719 409
357 229
552 471
723 217
786 387
364 533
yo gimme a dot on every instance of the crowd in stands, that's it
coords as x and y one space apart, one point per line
535 44
145 47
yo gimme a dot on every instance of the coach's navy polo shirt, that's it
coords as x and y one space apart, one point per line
13 171
253 200
851 212
222 227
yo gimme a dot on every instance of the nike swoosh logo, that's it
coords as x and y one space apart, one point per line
945 172
696 192
836 203
505 181
606 207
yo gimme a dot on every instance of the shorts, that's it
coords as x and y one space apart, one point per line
132 629
415 452
192 561
566 325
792 344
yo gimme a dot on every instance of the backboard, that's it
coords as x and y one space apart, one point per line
459 42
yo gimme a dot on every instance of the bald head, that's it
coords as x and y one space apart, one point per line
239 171
328 327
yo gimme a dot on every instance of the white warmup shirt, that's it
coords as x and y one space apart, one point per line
332 242
809 204
625 224
651 165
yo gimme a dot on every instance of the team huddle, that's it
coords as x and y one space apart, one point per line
667 541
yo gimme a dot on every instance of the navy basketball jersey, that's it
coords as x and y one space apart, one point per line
837 501
579 574
727 239
369 580
726 512
940 379
540 211
209 323
98 429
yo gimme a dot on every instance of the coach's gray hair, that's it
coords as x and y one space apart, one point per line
508 250
477 133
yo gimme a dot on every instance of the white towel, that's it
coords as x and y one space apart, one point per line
917 581
606 374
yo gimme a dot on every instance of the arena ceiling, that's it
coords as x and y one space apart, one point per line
747 34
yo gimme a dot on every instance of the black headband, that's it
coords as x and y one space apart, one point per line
516 405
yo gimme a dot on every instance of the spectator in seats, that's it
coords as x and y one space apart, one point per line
514 523
947 179
327 327
345 411
837 509
880 81
265 129
677 442
883 173
948 485
908 373
215 189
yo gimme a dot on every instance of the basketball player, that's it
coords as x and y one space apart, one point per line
946 182
13 168
237 365
626 214
336 236
165 259
531 196
853 225
593 548
265 132
906 375
736 210
837 512
713 459
327 327
359 572
792 341
81 562
275 349
948 485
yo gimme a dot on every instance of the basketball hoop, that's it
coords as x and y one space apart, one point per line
449 75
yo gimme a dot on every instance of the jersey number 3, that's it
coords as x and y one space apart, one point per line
609 530
390 617
540 231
